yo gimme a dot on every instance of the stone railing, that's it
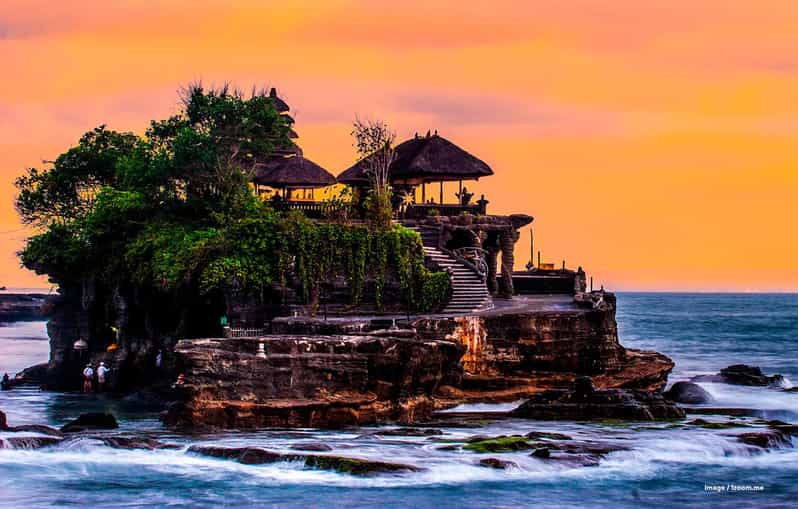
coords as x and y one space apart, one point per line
244 332
422 210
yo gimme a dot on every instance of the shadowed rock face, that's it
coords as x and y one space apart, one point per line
317 381
586 403
741 374
688 392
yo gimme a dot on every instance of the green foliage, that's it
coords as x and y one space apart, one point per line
379 211
499 444
172 213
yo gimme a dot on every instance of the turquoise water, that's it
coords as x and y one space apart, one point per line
663 465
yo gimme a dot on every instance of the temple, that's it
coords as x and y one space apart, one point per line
429 177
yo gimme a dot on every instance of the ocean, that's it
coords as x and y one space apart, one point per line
662 464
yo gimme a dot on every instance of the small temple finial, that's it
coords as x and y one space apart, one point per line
427 133
273 92
436 132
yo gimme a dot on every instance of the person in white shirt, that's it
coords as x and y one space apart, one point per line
102 371
88 375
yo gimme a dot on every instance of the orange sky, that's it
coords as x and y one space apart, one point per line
656 142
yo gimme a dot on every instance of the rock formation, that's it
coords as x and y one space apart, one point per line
318 381
742 374
584 403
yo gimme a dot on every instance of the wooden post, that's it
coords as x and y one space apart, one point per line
563 265
531 247
591 283
538 259
460 193
423 191
441 192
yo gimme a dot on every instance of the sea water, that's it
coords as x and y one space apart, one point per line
662 466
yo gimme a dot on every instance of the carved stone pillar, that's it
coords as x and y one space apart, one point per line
492 259
507 241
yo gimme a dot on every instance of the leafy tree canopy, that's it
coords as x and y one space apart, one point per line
172 212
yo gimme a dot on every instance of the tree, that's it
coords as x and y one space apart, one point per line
374 143
67 190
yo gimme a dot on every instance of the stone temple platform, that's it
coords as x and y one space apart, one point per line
365 370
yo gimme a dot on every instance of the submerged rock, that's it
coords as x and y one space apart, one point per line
355 466
311 446
742 374
543 452
586 403
772 439
716 425
545 435
497 463
409 432
36 428
688 392
136 443
258 456
29 442
91 421
3 422
498 444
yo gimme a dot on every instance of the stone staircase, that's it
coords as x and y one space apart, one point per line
469 292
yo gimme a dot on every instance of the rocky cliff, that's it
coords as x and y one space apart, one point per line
544 343
332 374
309 381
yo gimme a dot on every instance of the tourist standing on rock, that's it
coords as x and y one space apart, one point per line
102 371
6 383
88 375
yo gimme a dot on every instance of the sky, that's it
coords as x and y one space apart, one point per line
655 143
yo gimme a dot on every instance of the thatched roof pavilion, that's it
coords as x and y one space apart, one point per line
292 172
424 159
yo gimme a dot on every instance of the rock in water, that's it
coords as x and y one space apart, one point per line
91 421
496 463
3 422
688 392
312 446
257 456
742 374
136 443
772 439
574 405
357 466
30 442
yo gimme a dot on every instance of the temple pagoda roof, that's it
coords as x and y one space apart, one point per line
292 171
430 158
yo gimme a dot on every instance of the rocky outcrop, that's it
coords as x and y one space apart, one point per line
771 439
90 421
257 456
309 381
584 402
517 352
688 392
742 374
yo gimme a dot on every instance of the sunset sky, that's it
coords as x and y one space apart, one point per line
655 142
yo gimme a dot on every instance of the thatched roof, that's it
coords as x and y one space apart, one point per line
279 104
292 171
430 158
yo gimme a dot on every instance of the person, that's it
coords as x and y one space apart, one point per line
6 383
102 371
88 375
